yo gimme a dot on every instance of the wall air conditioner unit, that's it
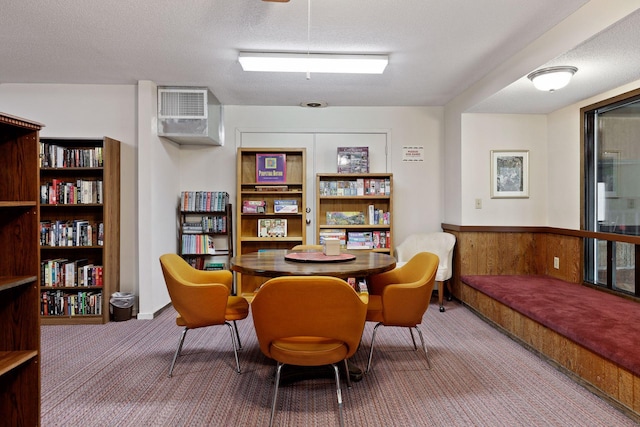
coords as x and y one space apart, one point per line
190 115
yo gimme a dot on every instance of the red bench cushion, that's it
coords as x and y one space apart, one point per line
606 324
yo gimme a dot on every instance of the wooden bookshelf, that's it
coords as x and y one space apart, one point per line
79 184
19 313
200 222
249 188
338 192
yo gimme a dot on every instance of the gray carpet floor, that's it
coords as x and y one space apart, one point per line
116 375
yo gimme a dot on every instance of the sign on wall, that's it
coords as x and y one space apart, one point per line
413 153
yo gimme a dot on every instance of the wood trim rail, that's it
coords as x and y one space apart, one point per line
635 240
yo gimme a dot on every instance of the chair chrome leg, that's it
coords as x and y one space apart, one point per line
339 392
178 350
275 393
235 346
347 373
235 326
373 337
424 347
415 346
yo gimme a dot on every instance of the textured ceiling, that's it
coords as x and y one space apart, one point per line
437 48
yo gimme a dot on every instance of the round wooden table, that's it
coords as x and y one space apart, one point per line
272 263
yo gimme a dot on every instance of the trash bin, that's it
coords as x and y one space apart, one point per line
121 306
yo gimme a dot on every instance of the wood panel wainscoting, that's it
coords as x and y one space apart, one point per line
484 250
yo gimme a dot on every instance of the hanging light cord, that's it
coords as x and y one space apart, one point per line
308 36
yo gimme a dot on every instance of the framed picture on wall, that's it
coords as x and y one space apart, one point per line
509 174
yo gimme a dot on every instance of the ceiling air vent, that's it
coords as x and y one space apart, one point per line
188 115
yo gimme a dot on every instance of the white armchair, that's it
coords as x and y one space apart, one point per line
439 243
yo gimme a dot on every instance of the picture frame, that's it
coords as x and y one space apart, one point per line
509 174
609 172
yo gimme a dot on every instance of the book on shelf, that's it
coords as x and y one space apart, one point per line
353 159
285 206
203 201
272 227
377 187
360 240
69 233
254 206
271 168
81 191
213 266
342 188
62 303
200 244
378 216
345 218
272 188
334 233
55 156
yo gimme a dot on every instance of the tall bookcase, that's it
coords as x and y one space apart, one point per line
19 313
205 237
251 189
356 205
79 229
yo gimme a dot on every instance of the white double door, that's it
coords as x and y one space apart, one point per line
322 156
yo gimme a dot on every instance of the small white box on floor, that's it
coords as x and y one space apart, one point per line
331 247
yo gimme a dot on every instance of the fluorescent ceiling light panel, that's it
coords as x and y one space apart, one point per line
313 63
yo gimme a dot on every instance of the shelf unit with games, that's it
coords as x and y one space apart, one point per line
357 208
79 229
19 313
268 208
206 229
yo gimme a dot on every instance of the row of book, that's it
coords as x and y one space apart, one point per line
200 263
203 201
75 232
55 156
81 191
368 239
200 244
378 216
357 187
358 239
61 272
60 303
207 224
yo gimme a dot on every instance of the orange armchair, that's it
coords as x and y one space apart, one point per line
202 298
308 321
400 297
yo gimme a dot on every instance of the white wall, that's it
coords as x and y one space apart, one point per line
564 198
158 181
89 111
482 133
417 186
589 20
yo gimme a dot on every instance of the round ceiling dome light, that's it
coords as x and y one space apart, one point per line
552 78
313 104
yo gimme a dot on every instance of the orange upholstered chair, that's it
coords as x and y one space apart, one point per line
202 298
308 321
400 297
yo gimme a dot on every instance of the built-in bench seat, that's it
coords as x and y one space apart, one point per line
592 334
606 324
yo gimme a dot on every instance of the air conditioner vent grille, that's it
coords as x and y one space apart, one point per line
183 104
